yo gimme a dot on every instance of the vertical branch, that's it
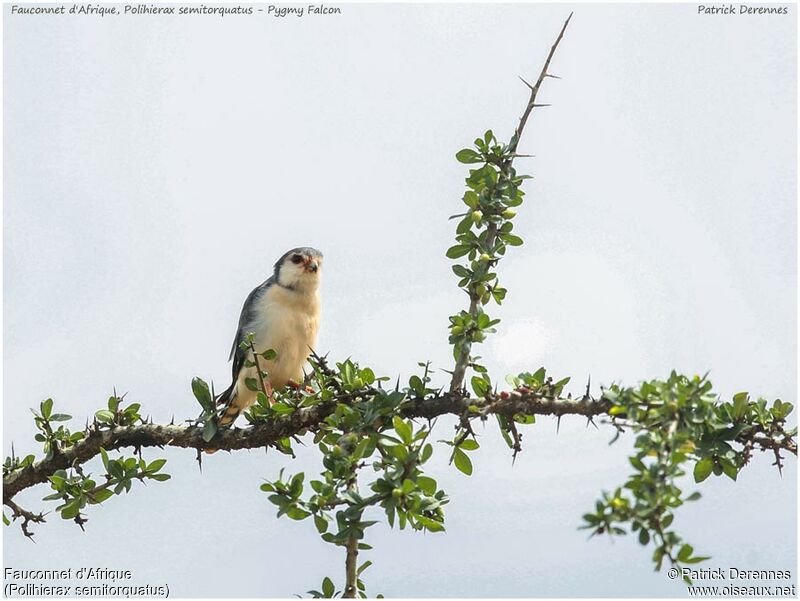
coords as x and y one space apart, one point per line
351 560
350 567
460 369
464 356
535 90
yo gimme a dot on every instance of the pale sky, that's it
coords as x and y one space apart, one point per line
156 167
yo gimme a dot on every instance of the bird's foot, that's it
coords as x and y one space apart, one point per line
297 386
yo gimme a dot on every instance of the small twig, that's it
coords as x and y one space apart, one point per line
512 427
258 368
27 517
535 89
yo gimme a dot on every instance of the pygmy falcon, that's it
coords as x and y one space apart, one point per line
283 314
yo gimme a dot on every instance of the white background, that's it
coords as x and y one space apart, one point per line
156 167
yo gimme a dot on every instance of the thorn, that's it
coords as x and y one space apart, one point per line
558 423
539 105
553 76
586 396
590 420
200 460
526 83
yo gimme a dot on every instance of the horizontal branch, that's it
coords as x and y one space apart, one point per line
268 433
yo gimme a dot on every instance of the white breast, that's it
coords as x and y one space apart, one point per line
288 323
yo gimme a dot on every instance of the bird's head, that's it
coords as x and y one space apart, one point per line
299 269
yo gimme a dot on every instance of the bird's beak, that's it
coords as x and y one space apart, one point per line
312 266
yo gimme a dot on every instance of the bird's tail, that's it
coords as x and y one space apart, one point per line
229 407
230 410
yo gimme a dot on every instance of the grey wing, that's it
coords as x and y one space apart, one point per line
246 319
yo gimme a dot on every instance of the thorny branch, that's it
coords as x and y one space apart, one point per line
309 419
463 361
270 432
27 516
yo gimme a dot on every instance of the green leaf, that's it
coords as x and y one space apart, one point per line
101 495
105 416
729 469
637 463
115 469
428 485
429 524
46 408
511 239
479 386
644 536
469 444
685 552
202 394
467 155
702 469
296 485
427 451
209 430
402 429
740 402
327 587
462 461
459 250
368 376
696 559
104 455
156 465
363 567
296 513
71 510
60 417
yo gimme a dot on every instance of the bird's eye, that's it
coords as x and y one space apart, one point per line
297 259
